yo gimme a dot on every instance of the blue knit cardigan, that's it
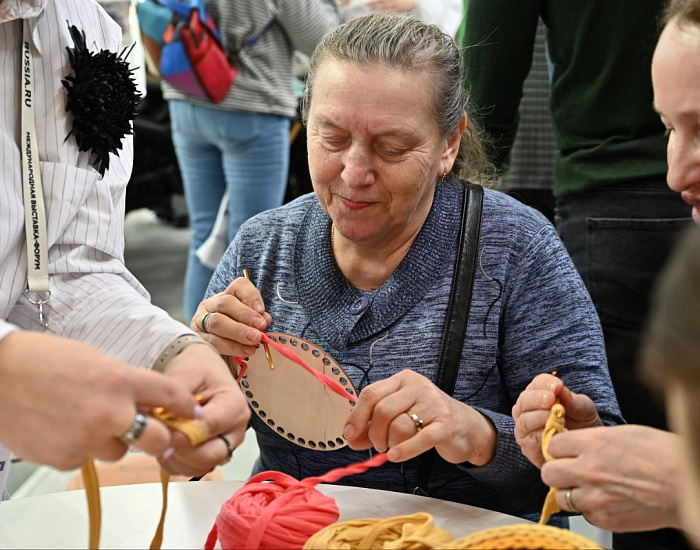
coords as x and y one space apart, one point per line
530 314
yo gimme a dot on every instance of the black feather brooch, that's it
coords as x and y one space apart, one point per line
103 98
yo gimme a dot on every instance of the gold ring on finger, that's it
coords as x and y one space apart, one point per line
570 506
418 423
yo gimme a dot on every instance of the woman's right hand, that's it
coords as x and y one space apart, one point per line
621 478
235 319
63 402
532 409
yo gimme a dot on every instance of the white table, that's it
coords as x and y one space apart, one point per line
130 514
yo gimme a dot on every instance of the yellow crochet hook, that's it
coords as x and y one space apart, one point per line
265 346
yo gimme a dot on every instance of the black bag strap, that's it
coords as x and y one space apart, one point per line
457 313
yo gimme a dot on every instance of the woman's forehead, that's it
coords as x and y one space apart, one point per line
361 79
676 69
385 98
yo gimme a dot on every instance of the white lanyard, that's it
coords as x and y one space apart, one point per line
4 468
35 225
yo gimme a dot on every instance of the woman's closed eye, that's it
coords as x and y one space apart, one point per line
390 150
334 142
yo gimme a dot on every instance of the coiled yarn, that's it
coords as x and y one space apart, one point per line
417 531
274 510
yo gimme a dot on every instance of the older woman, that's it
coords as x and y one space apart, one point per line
363 268
628 478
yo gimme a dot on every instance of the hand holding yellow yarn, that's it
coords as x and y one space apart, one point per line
190 428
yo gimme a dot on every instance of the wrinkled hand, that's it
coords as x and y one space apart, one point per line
63 402
393 6
237 317
623 478
226 412
458 432
532 408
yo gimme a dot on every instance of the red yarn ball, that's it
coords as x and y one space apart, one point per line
272 510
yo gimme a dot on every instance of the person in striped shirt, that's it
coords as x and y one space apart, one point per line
72 383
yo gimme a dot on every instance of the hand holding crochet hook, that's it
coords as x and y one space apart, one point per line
233 320
622 478
406 413
531 411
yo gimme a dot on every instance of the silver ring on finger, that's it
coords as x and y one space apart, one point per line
570 506
229 449
204 321
130 436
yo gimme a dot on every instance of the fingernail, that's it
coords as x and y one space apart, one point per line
252 334
258 306
393 455
259 322
170 451
348 432
199 412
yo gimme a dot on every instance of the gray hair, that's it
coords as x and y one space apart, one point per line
404 42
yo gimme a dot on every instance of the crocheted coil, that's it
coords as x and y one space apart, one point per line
419 532
415 531
523 537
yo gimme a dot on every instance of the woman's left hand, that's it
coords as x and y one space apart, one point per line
226 411
532 409
383 419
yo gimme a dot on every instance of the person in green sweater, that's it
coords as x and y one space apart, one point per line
614 211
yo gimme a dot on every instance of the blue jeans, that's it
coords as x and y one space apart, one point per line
243 152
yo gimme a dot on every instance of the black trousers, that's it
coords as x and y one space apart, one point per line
619 238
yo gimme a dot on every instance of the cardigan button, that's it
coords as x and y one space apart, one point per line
359 305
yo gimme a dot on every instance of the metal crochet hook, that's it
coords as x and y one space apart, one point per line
265 346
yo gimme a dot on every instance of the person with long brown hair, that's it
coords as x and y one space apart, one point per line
671 362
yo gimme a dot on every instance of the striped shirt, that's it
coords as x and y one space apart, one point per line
94 298
265 80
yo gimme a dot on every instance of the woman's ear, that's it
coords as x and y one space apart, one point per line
452 146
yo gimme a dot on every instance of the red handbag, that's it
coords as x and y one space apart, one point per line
193 59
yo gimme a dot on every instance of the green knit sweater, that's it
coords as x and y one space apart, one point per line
601 95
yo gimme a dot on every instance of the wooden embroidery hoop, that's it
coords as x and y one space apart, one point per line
292 402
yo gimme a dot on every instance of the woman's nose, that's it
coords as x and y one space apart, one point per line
357 166
683 165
